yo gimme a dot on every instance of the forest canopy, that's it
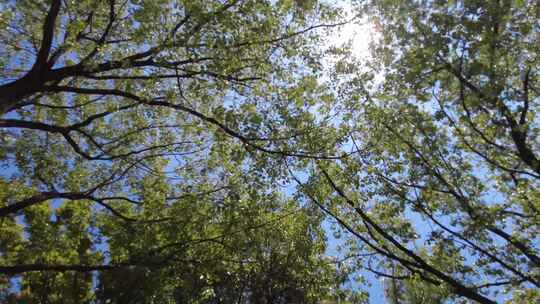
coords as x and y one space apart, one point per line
232 152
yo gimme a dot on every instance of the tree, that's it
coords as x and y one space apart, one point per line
147 141
143 141
399 290
109 88
446 185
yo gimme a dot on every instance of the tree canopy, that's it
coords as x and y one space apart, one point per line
132 135
445 189
195 151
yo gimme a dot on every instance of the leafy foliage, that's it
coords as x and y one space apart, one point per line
445 187
142 143
190 151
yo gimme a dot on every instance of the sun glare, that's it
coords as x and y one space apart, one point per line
359 34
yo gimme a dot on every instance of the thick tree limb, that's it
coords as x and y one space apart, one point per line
457 286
